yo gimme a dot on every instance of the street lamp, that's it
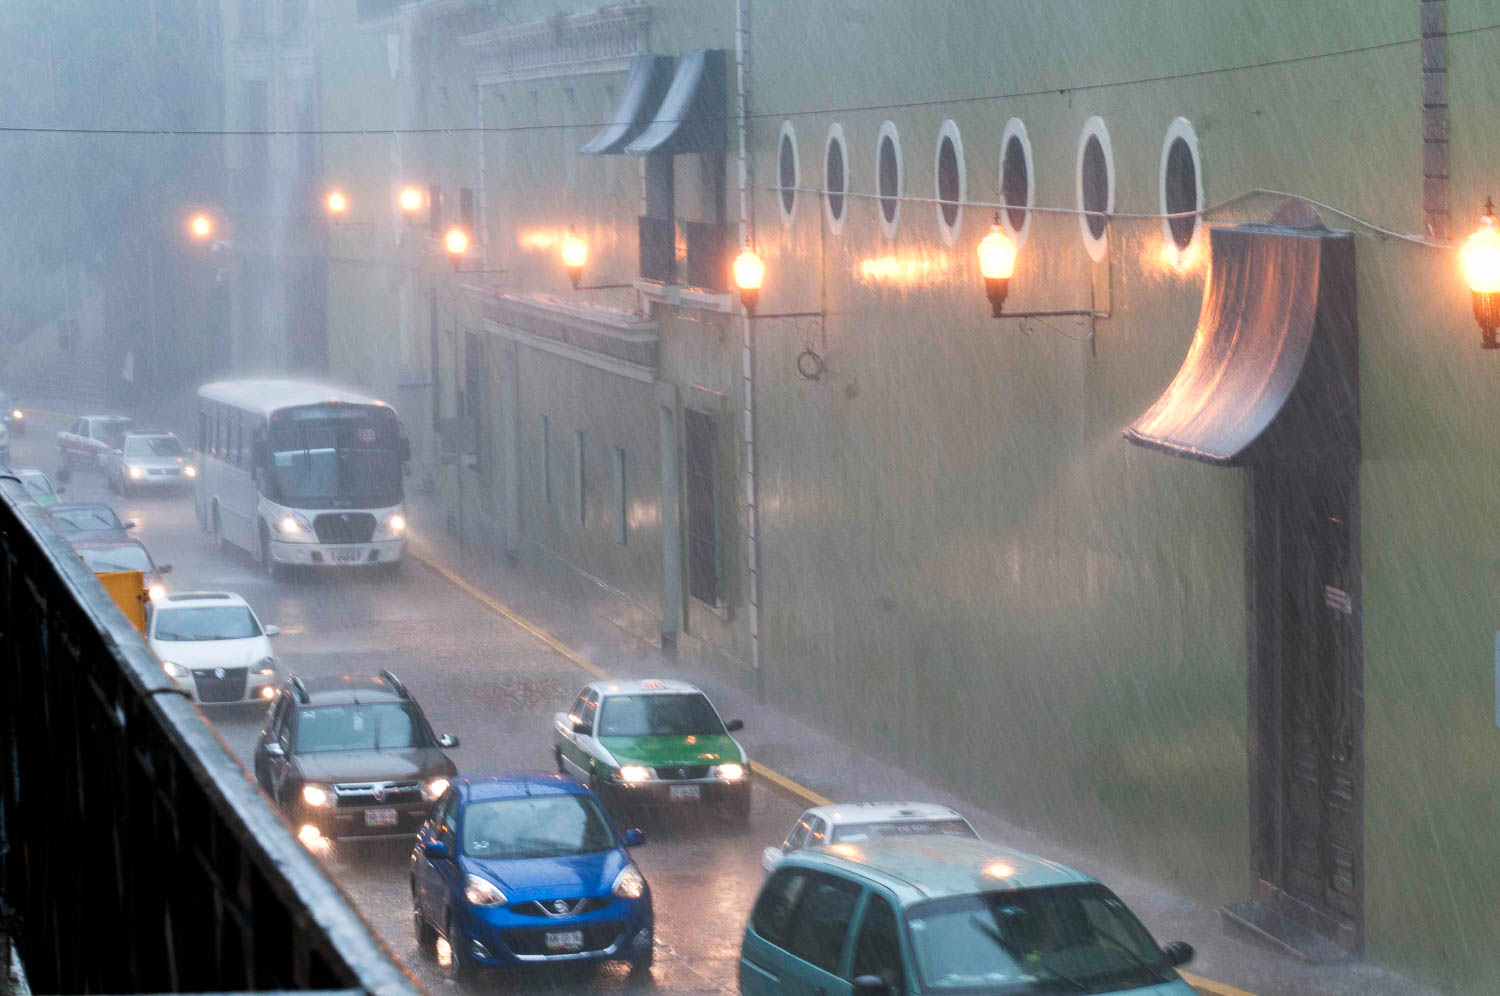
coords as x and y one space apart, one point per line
997 264
749 275
575 253
410 200
456 242
1481 261
337 203
200 226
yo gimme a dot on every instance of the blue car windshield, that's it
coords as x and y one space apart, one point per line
374 726
1061 939
545 826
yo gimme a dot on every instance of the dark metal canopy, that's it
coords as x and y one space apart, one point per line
693 115
650 75
1272 370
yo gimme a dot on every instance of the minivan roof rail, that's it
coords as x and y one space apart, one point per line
395 683
301 689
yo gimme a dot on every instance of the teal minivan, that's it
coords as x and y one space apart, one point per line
949 916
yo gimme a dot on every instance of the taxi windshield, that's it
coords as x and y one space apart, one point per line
671 715
1070 938
373 726
552 826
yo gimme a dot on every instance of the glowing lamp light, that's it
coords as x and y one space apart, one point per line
997 264
575 253
749 276
456 242
409 200
1481 261
337 203
200 226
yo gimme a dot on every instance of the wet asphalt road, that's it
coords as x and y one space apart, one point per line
484 680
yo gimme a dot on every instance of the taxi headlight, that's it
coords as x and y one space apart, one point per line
629 884
480 891
634 773
156 592
434 787
730 772
136 473
315 795
174 669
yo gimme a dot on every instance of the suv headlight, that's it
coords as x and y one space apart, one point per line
394 524
266 665
480 891
730 772
136 473
316 795
293 525
174 669
629 884
634 773
432 788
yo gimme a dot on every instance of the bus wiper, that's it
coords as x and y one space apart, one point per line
1019 958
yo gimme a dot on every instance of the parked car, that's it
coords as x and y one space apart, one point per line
923 915
149 459
213 646
39 486
108 556
12 417
351 756
88 522
88 440
524 868
652 741
855 823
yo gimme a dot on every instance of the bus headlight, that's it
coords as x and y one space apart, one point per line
294 525
395 524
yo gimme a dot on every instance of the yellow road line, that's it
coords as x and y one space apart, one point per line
1208 987
562 649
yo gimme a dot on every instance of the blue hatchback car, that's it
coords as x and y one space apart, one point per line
526 868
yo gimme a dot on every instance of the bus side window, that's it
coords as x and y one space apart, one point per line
202 431
239 454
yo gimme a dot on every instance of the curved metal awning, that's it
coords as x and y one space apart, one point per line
1275 335
693 115
650 76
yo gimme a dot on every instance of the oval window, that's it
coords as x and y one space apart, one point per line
787 170
1095 186
835 180
1181 184
948 179
1015 177
888 177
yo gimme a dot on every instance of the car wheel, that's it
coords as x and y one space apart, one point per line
562 769
453 961
267 562
643 961
216 527
426 935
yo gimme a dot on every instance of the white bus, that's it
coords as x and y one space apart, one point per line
301 474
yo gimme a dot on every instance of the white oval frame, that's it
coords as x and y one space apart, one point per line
788 134
1016 128
1181 128
888 129
949 130
1094 127
836 136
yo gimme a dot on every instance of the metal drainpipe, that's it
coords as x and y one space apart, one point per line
747 358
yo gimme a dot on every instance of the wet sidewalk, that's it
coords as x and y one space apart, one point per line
586 619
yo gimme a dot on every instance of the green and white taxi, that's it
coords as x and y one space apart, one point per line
653 740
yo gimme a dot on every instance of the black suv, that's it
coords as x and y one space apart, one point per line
351 756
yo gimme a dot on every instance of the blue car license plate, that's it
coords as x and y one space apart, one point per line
564 940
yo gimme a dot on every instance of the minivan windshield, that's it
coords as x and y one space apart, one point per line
1060 939
671 715
545 826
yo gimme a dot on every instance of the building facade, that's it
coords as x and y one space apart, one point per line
1196 577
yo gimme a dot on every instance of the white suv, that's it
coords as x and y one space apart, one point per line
213 646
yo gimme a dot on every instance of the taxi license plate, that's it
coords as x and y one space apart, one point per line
564 940
347 556
683 793
380 817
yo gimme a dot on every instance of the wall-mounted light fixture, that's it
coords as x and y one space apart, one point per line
997 253
575 253
1481 262
456 244
750 276
410 201
200 226
336 203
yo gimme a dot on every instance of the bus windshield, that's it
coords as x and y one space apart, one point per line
338 460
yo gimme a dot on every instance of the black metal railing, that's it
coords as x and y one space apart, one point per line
658 249
136 852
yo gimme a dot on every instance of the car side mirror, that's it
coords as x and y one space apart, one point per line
579 726
435 849
164 568
274 749
272 630
60 489
771 857
1178 952
130 525
634 837
447 740
870 985
64 474
119 453
734 724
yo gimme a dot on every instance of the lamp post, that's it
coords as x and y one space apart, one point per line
1481 261
997 264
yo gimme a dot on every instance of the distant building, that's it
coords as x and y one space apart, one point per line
1253 656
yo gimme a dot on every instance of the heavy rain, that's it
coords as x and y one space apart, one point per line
852 497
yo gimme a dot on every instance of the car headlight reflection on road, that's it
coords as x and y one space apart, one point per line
174 670
434 787
730 772
629 884
316 795
634 773
480 891
136 473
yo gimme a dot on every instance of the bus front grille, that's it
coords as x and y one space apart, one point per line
344 527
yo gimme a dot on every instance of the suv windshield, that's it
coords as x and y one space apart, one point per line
163 446
117 558
1063 939
658 716
208 622
372 726
856 832
548 826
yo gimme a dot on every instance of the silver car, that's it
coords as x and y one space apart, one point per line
149 460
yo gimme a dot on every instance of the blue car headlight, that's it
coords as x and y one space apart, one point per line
630 883
480 891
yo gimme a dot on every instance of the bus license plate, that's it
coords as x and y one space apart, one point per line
564 940
347 556
679 793
380 817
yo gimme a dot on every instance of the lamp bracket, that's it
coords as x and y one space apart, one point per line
790 314
583 287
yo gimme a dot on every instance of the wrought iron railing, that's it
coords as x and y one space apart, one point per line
137 853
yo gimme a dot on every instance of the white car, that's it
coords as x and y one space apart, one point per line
149 459
856 822
213 646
